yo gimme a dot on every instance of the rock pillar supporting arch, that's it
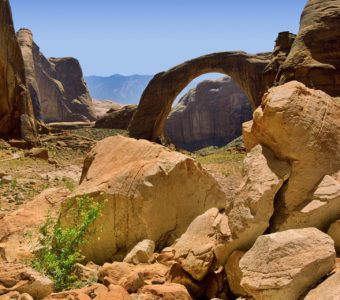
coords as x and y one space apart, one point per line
156 101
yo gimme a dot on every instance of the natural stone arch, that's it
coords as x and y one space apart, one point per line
156 101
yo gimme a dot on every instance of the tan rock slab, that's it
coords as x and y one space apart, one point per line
320 210
300 125
284 265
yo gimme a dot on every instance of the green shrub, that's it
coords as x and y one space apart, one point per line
58 246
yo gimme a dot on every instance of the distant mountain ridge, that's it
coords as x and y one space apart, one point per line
119 88
129 89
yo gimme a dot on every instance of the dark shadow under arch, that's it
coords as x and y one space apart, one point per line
156 101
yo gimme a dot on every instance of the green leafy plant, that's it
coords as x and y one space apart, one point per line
59 245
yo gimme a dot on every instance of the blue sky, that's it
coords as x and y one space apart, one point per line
149 36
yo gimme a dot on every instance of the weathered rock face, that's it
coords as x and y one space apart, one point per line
155 104
16 112
117 119
314 58
56 85
272 72
253 206
251 211
210 114
302 126
153 193
284 265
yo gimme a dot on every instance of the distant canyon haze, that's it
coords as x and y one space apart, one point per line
128 89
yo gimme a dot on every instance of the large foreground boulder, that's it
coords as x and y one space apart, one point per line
284 265
302 126
152 192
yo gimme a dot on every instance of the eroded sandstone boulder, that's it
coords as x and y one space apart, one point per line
16 111
210 114
284 265
321 208
56 85
152 192
302 126
23 279
132 277
251 210
141 253
194 250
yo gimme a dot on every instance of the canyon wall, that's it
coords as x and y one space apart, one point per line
210 114
16 112
58 90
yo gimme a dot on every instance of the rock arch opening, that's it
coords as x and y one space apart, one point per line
158 97
209 114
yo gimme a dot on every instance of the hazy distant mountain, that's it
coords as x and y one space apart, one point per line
128 89
119 88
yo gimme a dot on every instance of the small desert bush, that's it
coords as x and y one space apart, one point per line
58 246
